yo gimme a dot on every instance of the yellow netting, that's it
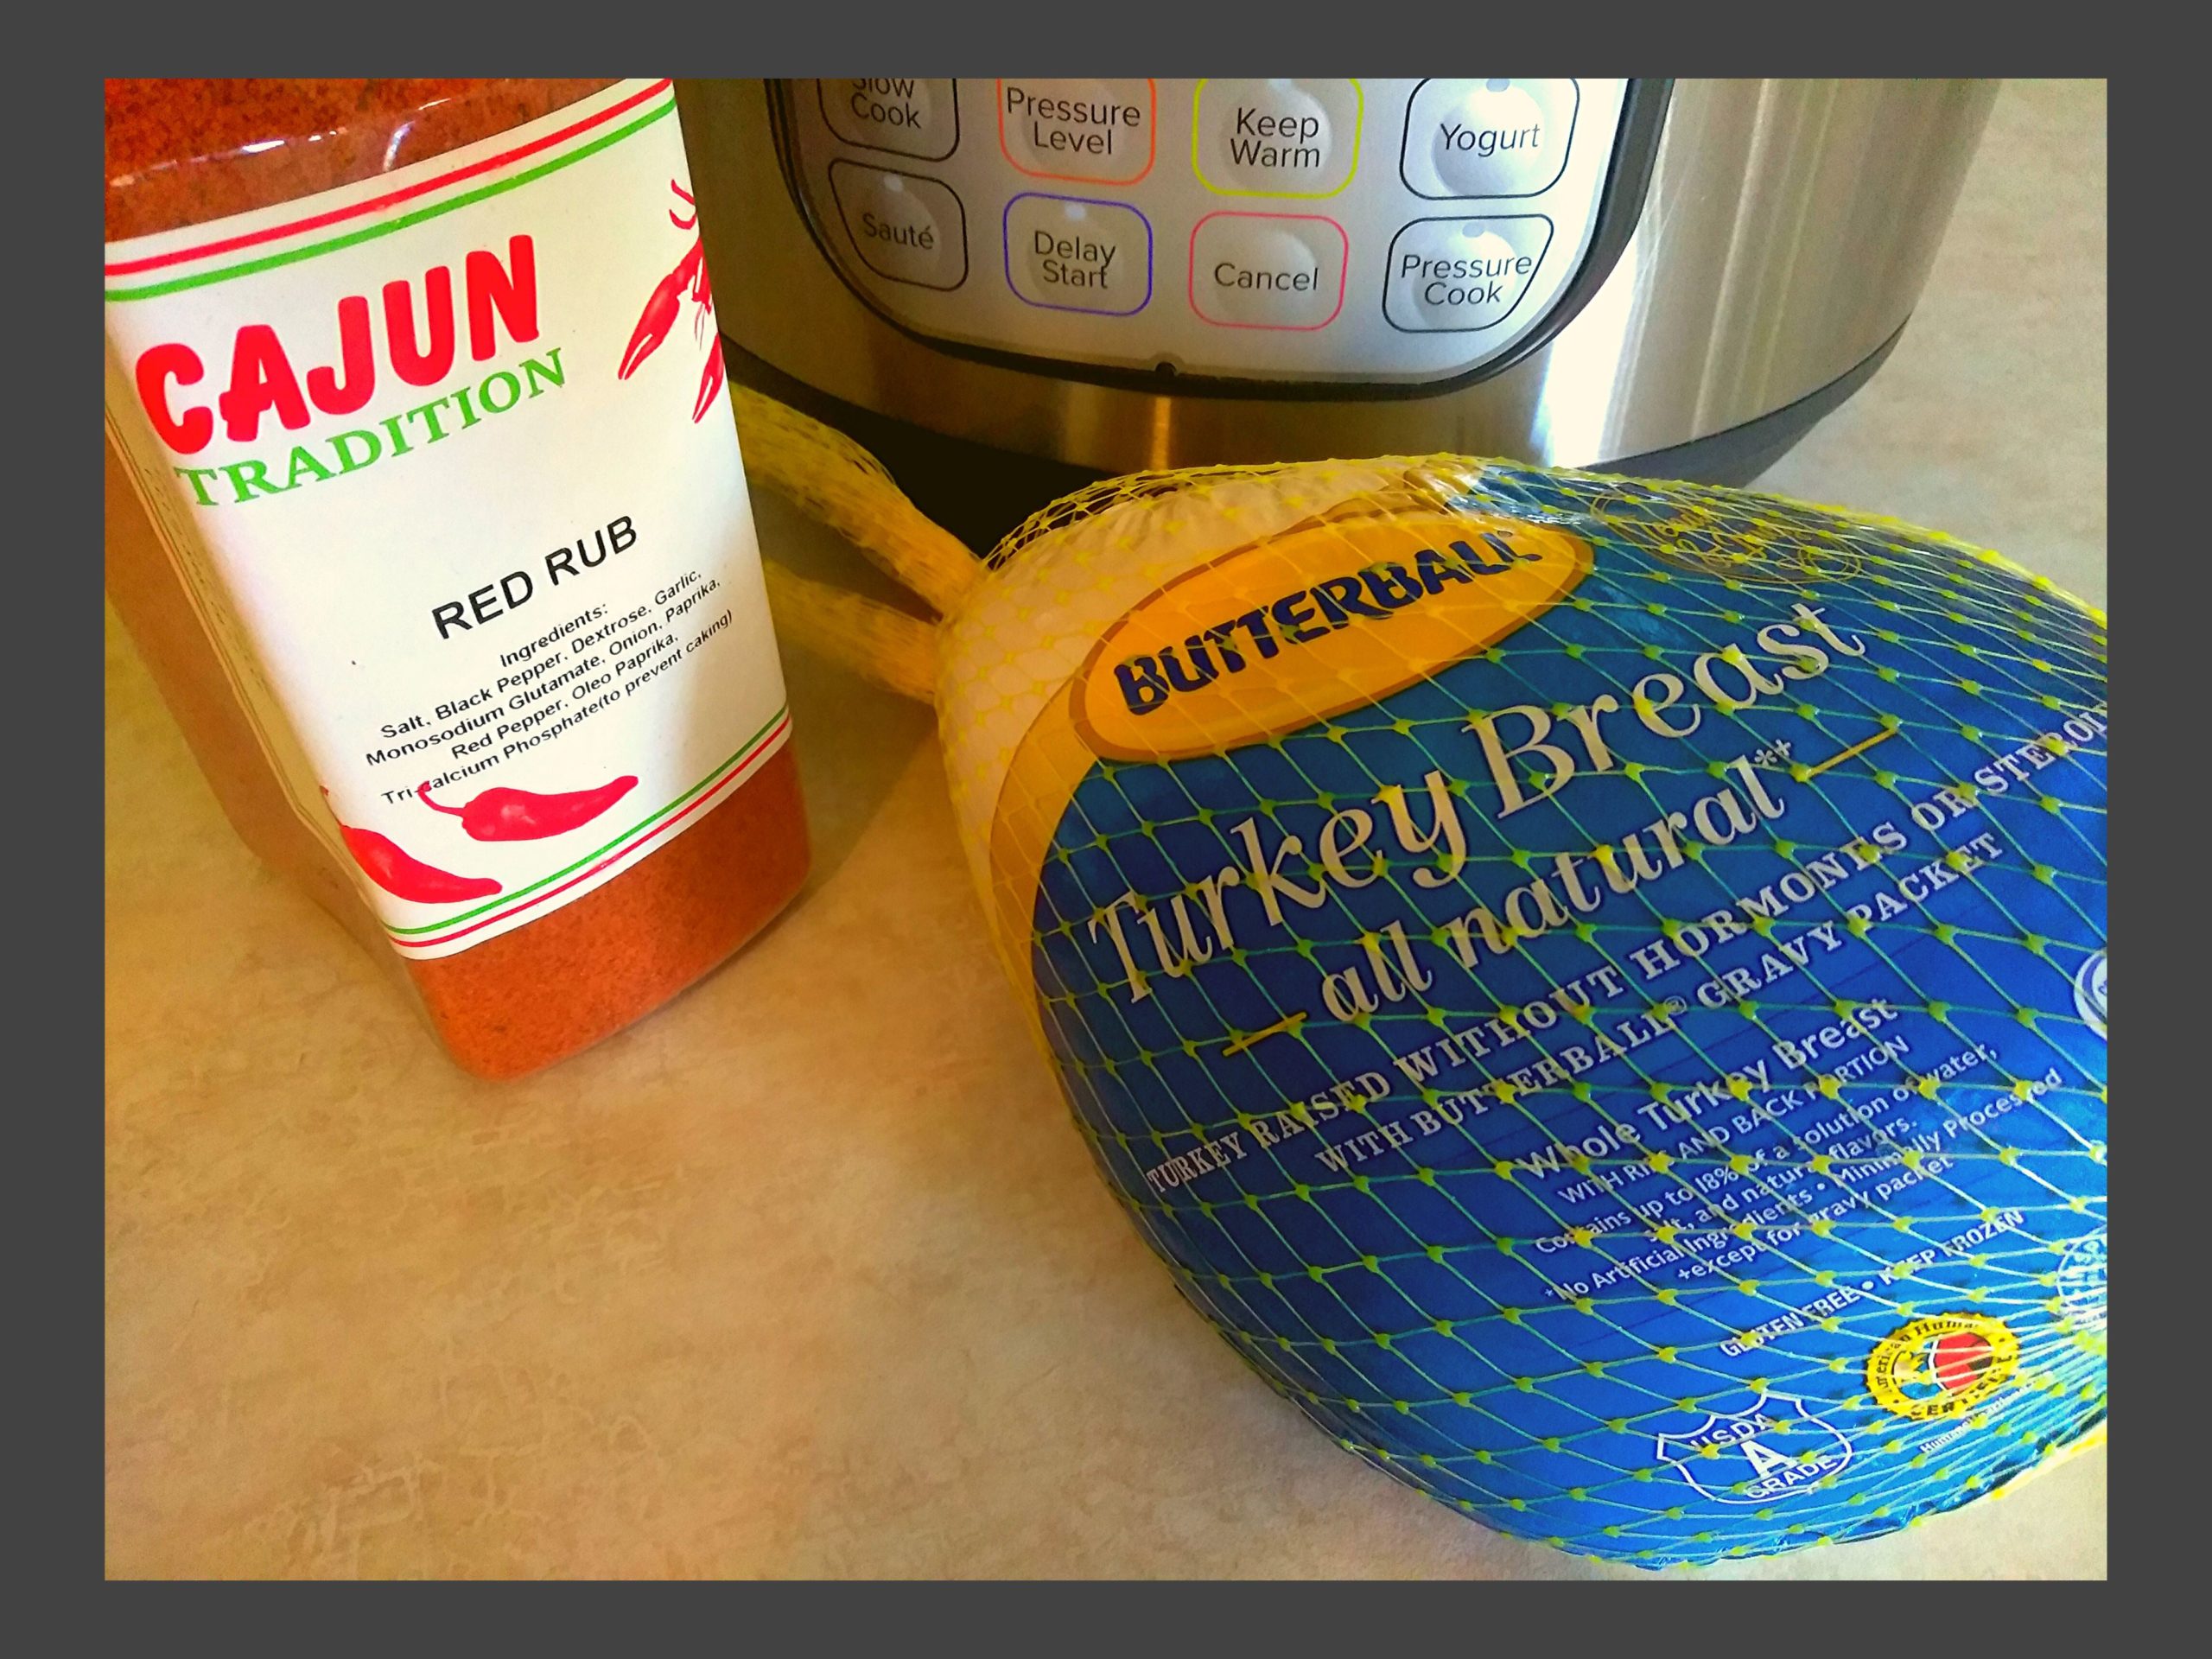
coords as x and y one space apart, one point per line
823 472
1596 988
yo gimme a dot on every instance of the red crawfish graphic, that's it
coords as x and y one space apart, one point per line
688 281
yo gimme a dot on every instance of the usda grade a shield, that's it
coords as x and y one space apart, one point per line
1596 990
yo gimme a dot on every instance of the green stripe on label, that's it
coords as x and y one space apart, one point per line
253 267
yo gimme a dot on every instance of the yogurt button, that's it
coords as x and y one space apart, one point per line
1261 271
909 229
1462 275
912 117
1101 131
1488 137
1277 138
1074 255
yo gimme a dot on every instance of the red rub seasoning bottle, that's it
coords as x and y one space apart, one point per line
426 510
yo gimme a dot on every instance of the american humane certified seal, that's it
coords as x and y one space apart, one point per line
2089 992
1941 1365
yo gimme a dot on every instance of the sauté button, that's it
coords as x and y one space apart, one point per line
1074 255
1269 270
1099 131
1276 138
1488 137
912 117
909 229
1461 275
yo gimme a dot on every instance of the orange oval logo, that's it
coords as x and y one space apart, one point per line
1324 618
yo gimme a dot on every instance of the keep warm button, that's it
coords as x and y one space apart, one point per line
1276 138
1457 276
1074 255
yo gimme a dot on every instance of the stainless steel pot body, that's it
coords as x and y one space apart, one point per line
1741 246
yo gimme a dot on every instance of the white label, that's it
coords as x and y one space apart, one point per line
446 460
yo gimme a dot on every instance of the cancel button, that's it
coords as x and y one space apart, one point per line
1269 270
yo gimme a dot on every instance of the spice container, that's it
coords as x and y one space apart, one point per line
426 513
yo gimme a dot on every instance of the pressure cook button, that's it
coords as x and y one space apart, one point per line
1457 276
1269 270
1488 137
1073 255
1277 138
1098 131
909 229
910 118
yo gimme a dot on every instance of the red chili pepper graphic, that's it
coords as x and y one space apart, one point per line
521 815
402 875
665 303
710 382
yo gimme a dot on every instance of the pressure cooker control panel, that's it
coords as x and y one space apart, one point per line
1333 231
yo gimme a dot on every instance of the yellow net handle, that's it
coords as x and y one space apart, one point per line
827 476
883 645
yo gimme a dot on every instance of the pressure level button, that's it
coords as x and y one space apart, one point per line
1099 131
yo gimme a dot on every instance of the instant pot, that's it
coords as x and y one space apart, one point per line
1008 287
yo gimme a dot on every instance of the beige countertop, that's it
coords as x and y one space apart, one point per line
809 1274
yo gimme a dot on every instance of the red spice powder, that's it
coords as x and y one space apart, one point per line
182 152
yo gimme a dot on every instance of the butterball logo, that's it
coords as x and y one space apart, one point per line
1147 680
2089 992
1323 618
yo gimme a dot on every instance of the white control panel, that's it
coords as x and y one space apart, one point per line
1371 231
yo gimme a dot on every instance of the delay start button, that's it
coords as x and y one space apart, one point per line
1070 254
1488 137
911 230
919 118
1457 275
1276 138
1269 270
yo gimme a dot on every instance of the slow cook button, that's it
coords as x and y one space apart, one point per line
1461 275
912 117
1074 255
1277 138
1488 137
1268 270
1099 131
908 229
